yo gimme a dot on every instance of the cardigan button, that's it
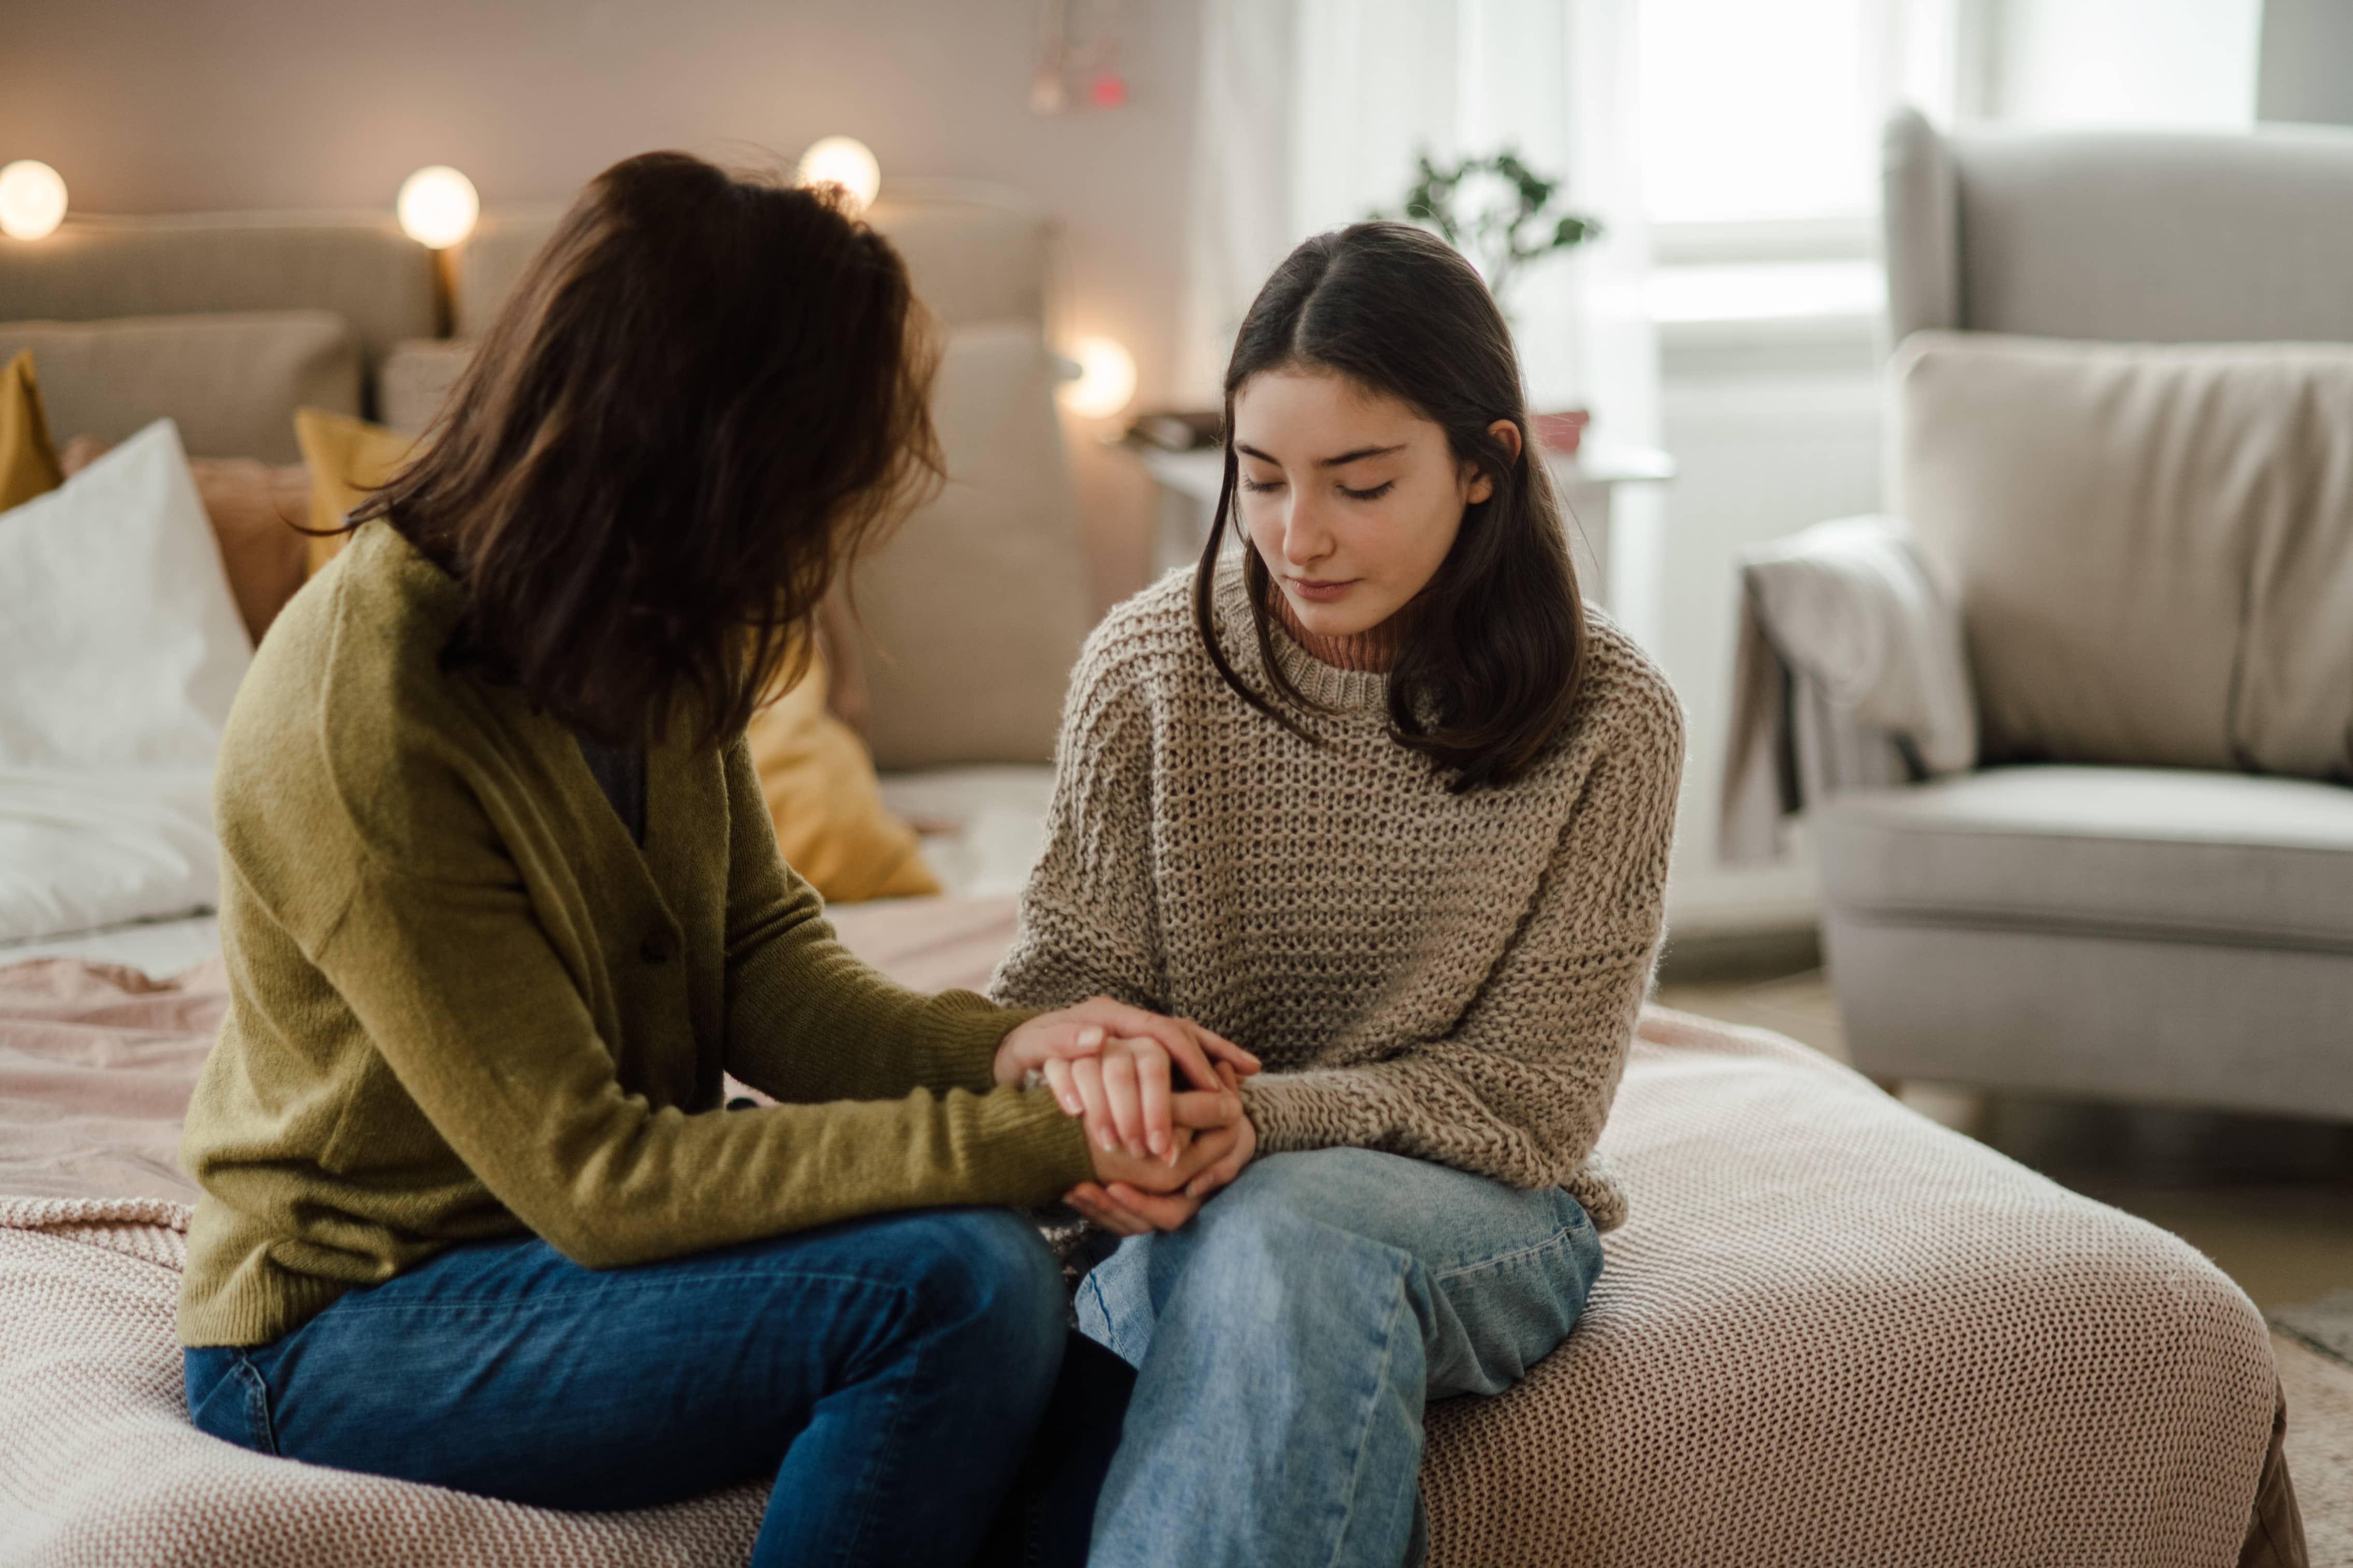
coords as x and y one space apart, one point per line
654 948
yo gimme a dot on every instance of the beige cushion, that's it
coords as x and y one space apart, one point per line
357 265
231 381
2167 854
415 378
2153 544
974 610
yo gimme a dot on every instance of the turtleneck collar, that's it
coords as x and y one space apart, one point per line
1373 650
1349 676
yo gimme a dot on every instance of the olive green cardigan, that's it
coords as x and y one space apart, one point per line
465 1004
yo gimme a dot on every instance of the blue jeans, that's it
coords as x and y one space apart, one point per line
889 1374
1287 1339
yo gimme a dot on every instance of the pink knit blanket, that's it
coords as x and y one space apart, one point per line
1831 1332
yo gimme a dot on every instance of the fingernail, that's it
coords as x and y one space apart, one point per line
1110 1144
1091 1035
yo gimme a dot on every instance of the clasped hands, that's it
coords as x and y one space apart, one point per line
1159 1150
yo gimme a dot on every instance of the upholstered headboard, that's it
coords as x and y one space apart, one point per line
973 612
357 265
224 321
976 253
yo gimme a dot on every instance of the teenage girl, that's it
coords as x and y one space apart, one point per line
1377 796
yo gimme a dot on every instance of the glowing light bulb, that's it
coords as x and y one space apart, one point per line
32 200
1105 382
842 161
437 207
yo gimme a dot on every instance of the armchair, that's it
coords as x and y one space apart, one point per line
2122 464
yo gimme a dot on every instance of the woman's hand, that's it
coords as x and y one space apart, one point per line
1110 1063
1129 1207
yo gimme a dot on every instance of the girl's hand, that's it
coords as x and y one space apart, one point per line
1122 1092
1127 1206
1132 1102
1245 1150
1142 1179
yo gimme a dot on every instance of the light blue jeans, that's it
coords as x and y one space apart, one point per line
1286 1340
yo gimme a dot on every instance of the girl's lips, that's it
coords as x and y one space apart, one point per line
1321 593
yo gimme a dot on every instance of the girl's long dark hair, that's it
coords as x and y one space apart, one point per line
1490 670
706 391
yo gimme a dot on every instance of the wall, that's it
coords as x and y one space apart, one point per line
2305 70
165 106
1775 425
2183 63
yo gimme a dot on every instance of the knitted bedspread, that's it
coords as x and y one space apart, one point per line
1830 1332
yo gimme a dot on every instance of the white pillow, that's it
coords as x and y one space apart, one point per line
82 849
119 642
121 648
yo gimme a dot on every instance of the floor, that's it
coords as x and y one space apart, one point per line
2269 1199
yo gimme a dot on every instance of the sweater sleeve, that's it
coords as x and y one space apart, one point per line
474 1012
1089 925
807 1020
1519 1089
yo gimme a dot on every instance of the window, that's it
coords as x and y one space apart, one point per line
1753 111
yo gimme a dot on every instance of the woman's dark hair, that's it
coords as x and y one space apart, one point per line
1489 672
705 392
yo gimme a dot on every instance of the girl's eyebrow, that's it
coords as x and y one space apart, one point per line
1345 459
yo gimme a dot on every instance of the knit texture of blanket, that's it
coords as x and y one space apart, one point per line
1833 1332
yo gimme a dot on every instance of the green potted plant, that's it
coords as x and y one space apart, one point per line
1502 216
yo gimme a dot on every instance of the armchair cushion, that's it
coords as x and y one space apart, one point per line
2167 854
2153 544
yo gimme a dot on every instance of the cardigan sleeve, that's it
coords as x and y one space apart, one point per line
807 1020
1089 924
1519 1088
462 996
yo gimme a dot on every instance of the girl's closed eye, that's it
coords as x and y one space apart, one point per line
1254 485
1376 493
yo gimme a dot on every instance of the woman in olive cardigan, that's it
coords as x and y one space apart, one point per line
501 901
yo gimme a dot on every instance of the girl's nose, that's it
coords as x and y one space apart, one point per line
1305 539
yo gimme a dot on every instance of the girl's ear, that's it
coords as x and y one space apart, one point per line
1507 434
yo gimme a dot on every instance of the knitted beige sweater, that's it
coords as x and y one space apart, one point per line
1452 977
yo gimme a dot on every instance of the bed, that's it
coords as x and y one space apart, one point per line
1832 1331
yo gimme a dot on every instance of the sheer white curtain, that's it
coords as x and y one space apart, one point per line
1312 111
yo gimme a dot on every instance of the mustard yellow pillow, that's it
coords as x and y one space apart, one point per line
819 785
348 458
28 459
